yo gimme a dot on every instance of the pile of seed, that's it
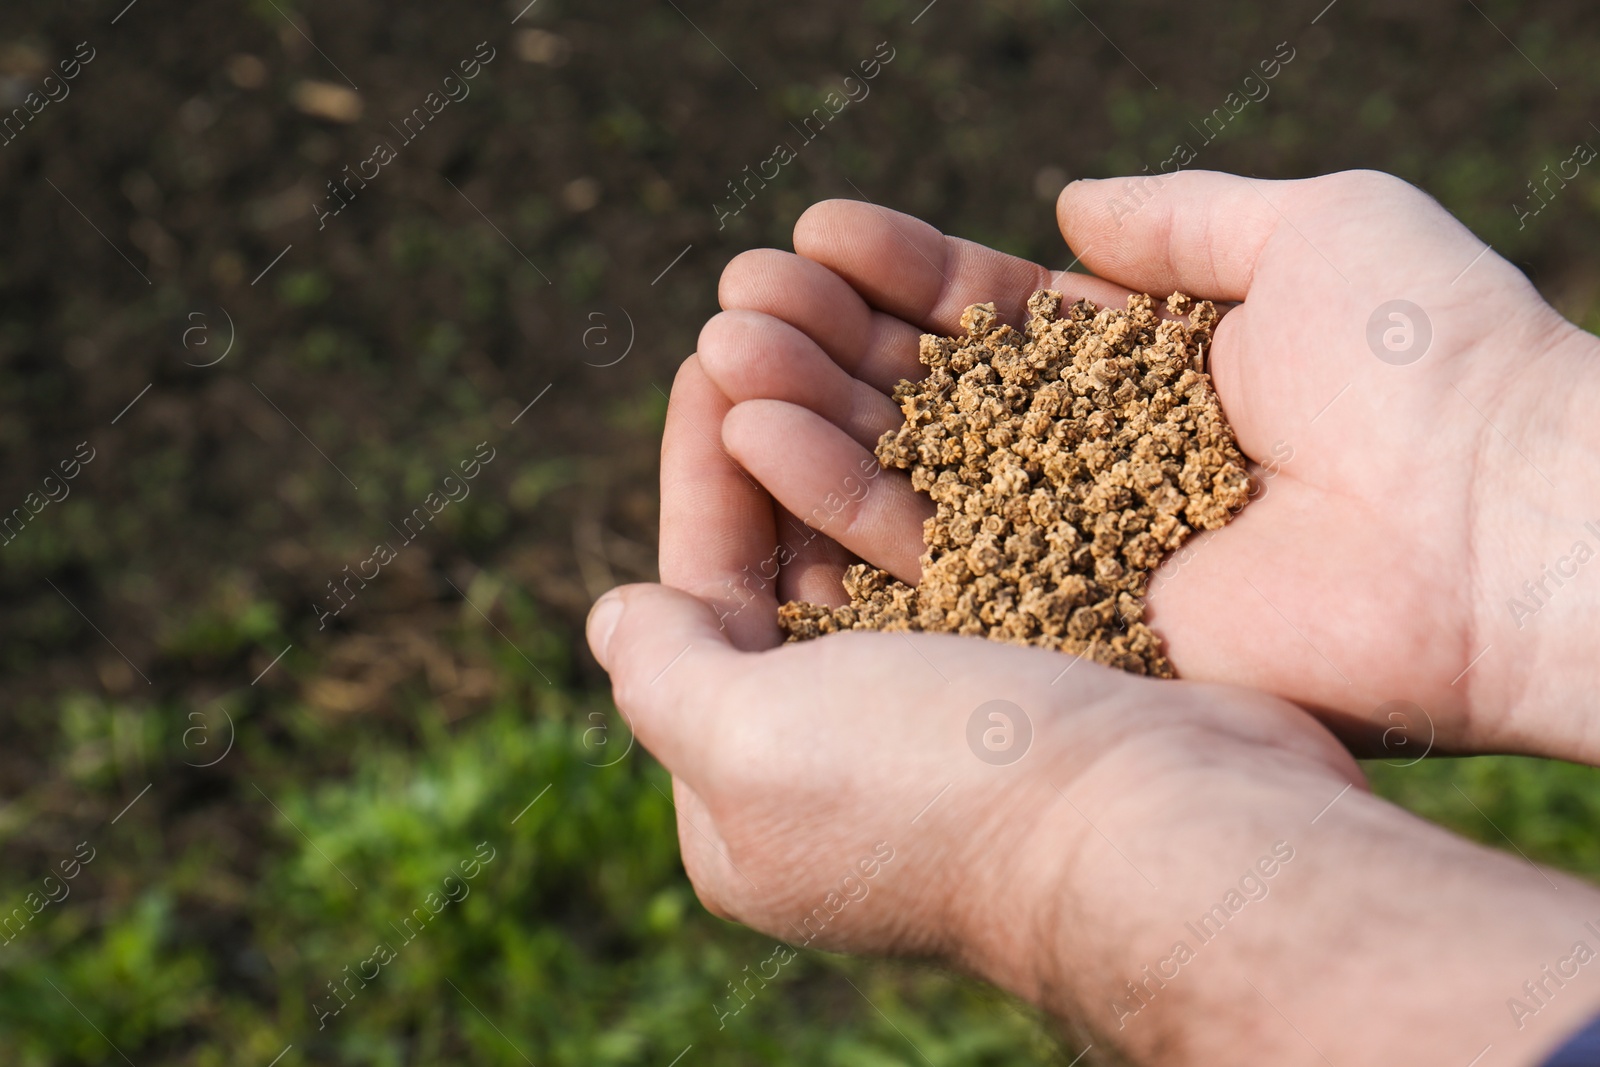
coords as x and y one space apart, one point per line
1065 461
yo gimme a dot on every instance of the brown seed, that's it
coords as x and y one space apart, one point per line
1065 462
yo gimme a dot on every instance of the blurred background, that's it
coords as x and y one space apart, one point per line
243 746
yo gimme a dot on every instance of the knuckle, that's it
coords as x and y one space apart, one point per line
1373 183
626 696
631 689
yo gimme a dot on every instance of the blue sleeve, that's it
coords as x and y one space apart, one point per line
1581 1050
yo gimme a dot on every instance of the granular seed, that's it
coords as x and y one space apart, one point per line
1065 462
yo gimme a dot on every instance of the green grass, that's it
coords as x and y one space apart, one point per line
1549 810
578 941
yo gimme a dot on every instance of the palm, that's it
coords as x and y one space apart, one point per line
1341 586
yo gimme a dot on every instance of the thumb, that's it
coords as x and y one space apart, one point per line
665 651
1198 232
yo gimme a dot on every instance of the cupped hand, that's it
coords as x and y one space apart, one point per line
1046 822
1405 392
792 763
940 796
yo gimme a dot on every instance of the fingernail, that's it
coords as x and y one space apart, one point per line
603 618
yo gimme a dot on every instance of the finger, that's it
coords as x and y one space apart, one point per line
838 488
908 269
816 573
667 653
1197 232
715 520
751 356
879 349
705 854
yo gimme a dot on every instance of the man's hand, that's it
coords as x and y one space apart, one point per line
1192 874
957 781
1415 470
